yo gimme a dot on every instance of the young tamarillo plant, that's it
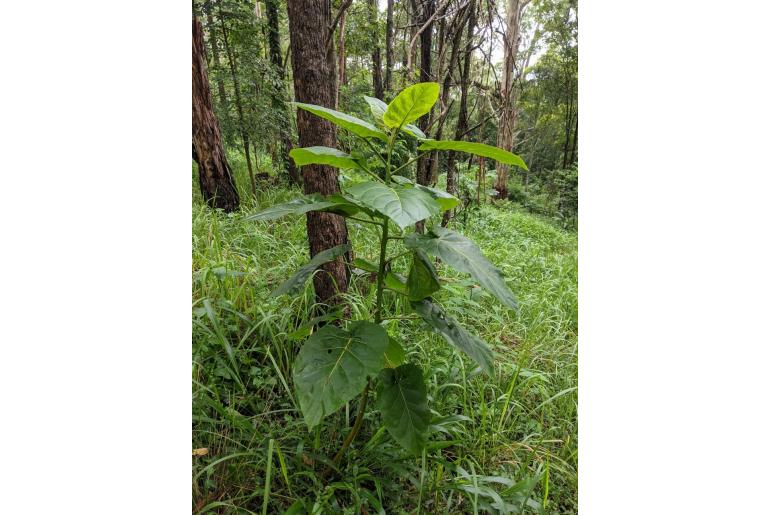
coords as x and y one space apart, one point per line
337 364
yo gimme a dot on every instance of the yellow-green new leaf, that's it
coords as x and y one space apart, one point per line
412 103
479 149
346 121
378 109
333 366
323 156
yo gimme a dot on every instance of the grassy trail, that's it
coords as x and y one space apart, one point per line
506 444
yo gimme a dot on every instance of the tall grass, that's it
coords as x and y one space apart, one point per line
502 444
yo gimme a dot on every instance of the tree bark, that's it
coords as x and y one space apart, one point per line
462 116
224 107
238 103
424 163
340 58
216 182
507 122
388 47
274 42
314 83
376 58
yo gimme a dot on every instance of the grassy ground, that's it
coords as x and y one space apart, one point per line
505 444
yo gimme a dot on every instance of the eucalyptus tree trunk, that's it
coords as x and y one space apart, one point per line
388 47
238 103
314 83
216 182
274 42
507 123
376 58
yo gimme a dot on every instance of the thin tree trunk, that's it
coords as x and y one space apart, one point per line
507 122
274 42
238 103
224 107
573 155
216 182
462 116
388 47
376 58
340 59
314 83
426 42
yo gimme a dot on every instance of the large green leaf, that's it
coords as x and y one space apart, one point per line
334 364
423 279
462 254
454 333
323 156
378 108
479 149
445 200
395 282
403 401
411 103
333 204
403 205
294 284
346 121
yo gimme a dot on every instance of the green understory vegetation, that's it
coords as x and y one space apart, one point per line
505 443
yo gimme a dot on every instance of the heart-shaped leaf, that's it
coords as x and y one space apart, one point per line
403 400
403 205
462 254
479 149
294 284
333 366
423 279
323 156
346 121
411 103
454 333
445 200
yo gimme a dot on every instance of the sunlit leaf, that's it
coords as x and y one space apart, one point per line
479 149
412 103
351 123
324 156
403 205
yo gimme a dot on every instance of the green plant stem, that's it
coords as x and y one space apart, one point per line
419 155
377 315
356 425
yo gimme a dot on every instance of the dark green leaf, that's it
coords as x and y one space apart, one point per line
454 333
423 279
403 205
334 364
462 254
403 401
479 149
444 199
411 103
333 204
295 283
365 265
323 156
346 121
394 354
